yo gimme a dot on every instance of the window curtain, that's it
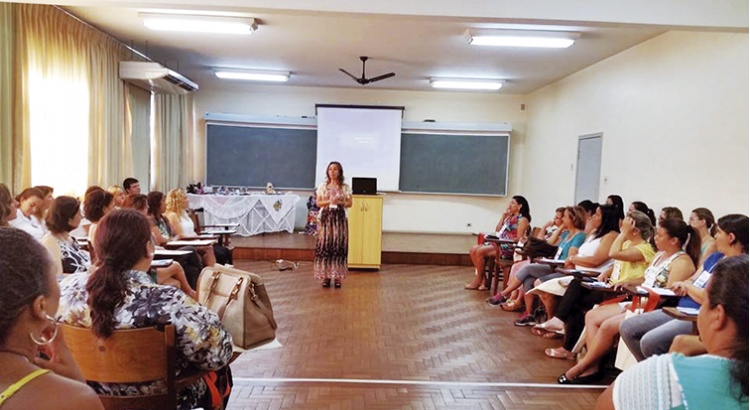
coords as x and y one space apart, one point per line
140 106
7 62
71 103
172 116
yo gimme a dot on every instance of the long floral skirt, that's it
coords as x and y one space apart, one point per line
332 246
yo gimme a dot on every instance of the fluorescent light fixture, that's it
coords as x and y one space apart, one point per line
466 84
199 24
254 75
522 38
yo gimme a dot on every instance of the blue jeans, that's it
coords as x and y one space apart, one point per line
652 333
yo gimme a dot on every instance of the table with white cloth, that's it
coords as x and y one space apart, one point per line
254 214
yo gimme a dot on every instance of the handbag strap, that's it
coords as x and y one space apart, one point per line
232 296
214 281
261 306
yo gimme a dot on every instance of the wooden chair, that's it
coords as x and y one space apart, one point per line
130 356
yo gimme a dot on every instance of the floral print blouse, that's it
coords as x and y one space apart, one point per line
201 340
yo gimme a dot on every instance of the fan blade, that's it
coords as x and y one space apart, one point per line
349 74
382 77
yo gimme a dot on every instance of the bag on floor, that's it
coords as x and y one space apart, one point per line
241 301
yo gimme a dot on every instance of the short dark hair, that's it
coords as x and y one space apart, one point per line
95 203
24 266
588 206
736 224
63 209
127 182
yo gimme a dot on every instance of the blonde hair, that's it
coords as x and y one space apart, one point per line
174 201
115 189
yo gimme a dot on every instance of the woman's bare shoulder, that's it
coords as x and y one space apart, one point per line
46 393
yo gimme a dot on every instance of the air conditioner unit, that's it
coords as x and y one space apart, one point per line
155 77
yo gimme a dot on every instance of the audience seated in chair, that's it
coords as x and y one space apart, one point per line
29 297
717 380
703 221
670 265
67 257
652 333
632 254
120 295
514 223
29 200
8 206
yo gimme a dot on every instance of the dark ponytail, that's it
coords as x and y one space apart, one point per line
121 239
641 206
688 237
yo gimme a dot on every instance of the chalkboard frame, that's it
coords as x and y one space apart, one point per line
479 163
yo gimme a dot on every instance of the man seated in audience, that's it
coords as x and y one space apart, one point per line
131 186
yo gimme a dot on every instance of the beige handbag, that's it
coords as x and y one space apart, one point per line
241 301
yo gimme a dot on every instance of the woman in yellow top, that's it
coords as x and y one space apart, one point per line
29 298
632 253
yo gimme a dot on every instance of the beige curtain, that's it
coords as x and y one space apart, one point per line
171 141
52 49
7 63
140 107
110 147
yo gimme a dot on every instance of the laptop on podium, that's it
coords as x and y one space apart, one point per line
364 186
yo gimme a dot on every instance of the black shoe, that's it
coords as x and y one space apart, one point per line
594 377
525 320
337 283
327 283
496 302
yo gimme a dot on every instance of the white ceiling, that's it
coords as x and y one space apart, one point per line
418 40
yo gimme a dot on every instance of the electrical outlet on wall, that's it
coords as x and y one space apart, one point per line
468 224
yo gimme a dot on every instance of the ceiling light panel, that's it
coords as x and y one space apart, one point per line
466 84
521 38
254 75
198 24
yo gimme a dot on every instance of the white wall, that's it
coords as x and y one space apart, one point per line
674 114
402 212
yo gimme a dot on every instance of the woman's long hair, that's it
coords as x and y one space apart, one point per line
728 287
525 210
642 207
736 224
174 201
121 242
610 220
705 214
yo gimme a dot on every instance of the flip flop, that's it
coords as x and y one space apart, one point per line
557 354
546 334
543 327
512 306
467 287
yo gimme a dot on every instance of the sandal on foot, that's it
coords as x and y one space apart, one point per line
512 306
327 283
544 327
546 334
559 353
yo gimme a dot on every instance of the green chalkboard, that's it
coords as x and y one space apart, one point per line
454 164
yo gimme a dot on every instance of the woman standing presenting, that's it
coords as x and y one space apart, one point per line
332 246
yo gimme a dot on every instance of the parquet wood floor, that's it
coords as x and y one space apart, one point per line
403 324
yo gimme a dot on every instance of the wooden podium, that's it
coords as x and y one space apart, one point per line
365 231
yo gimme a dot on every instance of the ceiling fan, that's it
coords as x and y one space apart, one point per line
364 80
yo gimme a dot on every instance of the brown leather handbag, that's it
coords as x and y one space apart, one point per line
241 301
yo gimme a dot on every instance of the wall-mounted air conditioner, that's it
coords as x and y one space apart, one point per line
155 77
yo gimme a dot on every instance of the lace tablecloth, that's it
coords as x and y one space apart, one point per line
255 214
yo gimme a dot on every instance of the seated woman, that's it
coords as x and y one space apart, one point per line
651 333
29 296
40 214
8 206
632 254
717 380
120 295
572 236
513 225
96 204
63 216
172 275
642 207
603 228
515 301
669 266
119 195
670 212
183 227
702 220
29 200
616 201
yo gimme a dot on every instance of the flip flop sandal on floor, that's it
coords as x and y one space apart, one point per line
558 354
546 333
512 306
